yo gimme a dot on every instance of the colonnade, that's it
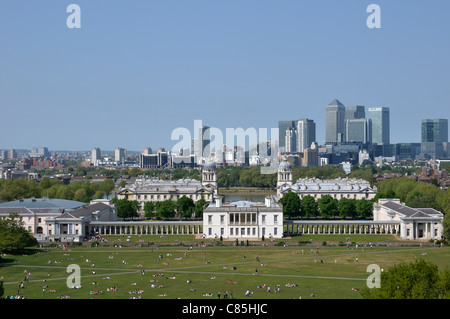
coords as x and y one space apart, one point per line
142 228
341 227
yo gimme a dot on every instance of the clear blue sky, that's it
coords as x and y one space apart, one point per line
136 70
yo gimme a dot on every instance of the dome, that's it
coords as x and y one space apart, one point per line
285 165
209 166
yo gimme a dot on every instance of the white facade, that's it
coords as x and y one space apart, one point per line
243 220
337 188
415 223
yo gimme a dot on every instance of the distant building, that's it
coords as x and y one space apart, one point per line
40 152
120 154
380 124
336 188
357 130
96 156
435 138
335 122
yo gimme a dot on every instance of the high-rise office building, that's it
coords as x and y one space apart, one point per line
282 127
379 122
201 142
296 136
435 138
434 130
290 140
357 130
354 112
335 122
306 134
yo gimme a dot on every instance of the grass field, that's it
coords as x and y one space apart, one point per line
329 272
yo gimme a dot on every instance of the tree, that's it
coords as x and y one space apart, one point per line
291 204
185 206
13 236
199 206
127 208
149 209
418 280
309 206
107 186
328 206
347 207
166 209
364 208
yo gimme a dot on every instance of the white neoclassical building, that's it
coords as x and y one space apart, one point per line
243 219
414 223
337 188
154 189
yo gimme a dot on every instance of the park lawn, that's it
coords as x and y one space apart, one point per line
209 268
122 239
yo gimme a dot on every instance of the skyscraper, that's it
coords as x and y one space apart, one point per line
306 134
435 138
354 112
120 154
379 121
434 130
282 127
96 155
357 130
335 122
201 142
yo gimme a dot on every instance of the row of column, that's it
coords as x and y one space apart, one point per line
342 229
146 230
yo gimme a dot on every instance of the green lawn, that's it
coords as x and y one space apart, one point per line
330 274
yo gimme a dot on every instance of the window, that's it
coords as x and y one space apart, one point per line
209 218
275 231
263 217
275 218
231 231
222 231
222 218
263 231
253 231
210 231
39 220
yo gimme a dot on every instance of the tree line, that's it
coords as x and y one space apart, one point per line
325 207
82 191
184 207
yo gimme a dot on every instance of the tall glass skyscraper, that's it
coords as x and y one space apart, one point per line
335 121
434 130
379 121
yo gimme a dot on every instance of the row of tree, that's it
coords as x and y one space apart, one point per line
184 207
325 207
82 191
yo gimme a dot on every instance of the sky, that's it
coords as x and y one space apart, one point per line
135 71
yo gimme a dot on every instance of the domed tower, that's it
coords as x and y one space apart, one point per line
285 175
209 176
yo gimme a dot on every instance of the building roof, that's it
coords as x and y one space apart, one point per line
43 203
153 185
410 212
334 185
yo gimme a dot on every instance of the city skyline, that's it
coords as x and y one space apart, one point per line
135 72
